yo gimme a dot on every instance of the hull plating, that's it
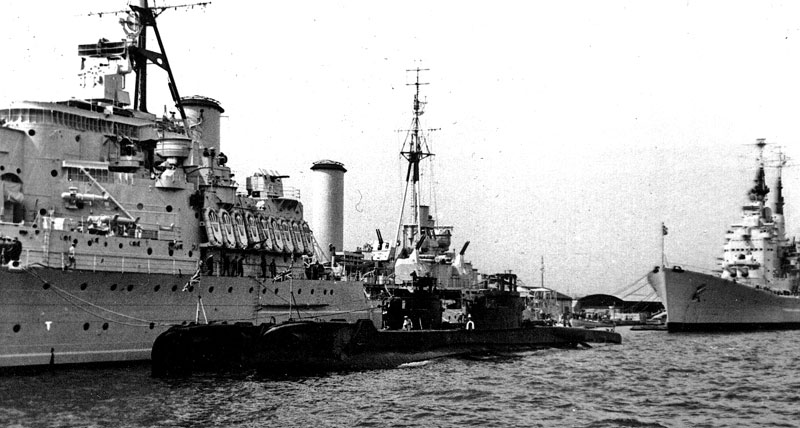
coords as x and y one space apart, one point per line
48 316
701 302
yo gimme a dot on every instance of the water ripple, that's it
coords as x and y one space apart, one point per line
653 379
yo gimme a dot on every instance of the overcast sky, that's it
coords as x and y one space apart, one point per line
566 129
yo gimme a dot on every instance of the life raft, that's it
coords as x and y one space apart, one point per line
299 242
213 229
288 241
240 229
266 232
277 234
308 238
253 236
226 224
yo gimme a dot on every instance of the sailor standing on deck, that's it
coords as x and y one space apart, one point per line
407 325
273 270
71 257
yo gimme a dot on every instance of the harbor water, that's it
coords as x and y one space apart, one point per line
654 379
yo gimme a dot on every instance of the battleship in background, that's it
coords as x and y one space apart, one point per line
757 287
117 224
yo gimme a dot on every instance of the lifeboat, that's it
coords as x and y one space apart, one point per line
299 243
226 224
213 228
253 237
240 229
308 237
277 234
288 241
266 232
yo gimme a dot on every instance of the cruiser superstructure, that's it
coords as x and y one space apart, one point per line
757 285
117 223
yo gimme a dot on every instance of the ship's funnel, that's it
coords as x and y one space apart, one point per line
464 248
328 203
380 238
425 216
204 118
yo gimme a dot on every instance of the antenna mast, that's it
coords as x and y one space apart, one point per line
542 269
135 25
414 154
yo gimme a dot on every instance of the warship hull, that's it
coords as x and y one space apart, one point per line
705 303
317 347
54 317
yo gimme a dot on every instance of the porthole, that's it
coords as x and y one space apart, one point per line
140 206
2 167
250 291
75 242
276 291
105 244
84 285
263 291
324 292
19 171
169 208
190 253
230 289
152 325
156 288
85 326
174 288
77 138
53 173
149 251
312 291
191 288
130 287
89 243
113 287
299 291
120 245
211 289
105 326
31 132
46 286
171 253
17 328
331 292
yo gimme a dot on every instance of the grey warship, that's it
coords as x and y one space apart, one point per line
117 223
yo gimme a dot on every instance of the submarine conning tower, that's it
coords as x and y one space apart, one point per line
328 204
204 117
